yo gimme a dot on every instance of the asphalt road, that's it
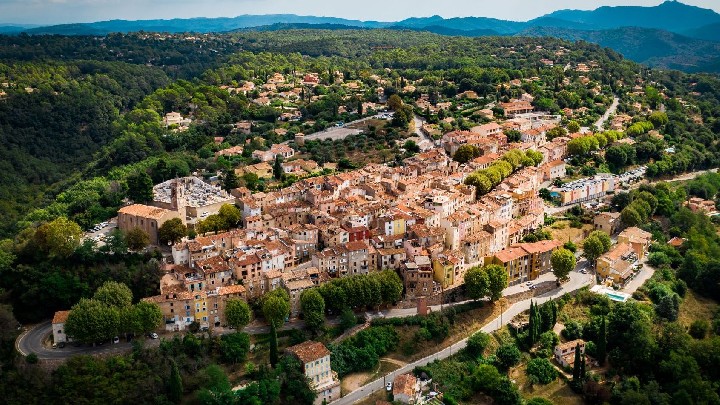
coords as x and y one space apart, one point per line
613 107
31 341
577 281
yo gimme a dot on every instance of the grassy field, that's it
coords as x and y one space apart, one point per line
557 392
695 307
562 231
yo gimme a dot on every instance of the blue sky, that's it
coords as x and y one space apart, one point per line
64 11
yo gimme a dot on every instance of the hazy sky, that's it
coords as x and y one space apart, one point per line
63 11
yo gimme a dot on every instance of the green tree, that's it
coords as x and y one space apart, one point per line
497 281
508 355
477 343
593 248
477 283
276 308
541 371
563 262
237 313
58 238
630 216
235 346
312 305
466 153
172 231
92 321
394 102
230 180
573 127
277 167
230 216
577 367
148 316
601 343
175 385
136 239
140 187
114 294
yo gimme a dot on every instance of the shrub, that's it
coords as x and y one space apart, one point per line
699 328
477 343
541 371
508 355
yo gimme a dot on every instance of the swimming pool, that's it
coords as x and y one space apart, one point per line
617 297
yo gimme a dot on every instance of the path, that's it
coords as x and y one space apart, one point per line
613 107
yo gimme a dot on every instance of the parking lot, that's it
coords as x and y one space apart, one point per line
100 232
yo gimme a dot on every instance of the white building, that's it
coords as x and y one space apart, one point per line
315 360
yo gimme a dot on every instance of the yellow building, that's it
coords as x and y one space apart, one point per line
617 264
443 272
637 238
525 261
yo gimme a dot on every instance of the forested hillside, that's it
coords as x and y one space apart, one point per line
80 134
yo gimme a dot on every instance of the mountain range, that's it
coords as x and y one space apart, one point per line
670 35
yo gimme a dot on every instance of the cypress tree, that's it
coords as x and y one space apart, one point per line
576 364
582 368
602 342
532 327
273 345
175 385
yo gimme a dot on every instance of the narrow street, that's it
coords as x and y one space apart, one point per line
599 125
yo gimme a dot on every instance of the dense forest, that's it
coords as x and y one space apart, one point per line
81 129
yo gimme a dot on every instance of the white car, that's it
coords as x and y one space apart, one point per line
116 340
388 386
153 335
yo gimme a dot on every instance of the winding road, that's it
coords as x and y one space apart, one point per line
577 281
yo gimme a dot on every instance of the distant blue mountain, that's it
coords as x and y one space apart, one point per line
671 34
669 16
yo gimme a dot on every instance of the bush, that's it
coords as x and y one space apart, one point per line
541 371
477 343
234 347
32 358
572 331
508 355
699 328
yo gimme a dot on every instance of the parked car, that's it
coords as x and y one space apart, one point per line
388 386
116 340
153 335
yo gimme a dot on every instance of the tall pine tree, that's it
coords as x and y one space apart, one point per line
175 385
576 364
602 342
533 326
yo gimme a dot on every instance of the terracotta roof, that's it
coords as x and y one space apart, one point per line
145 211
404 384
309 351
570 345
231 289
60 317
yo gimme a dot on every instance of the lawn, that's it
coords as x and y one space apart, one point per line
557 392
694 307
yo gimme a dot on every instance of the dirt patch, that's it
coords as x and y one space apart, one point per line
562 231
353 381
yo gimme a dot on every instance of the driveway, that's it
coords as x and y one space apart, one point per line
611 110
